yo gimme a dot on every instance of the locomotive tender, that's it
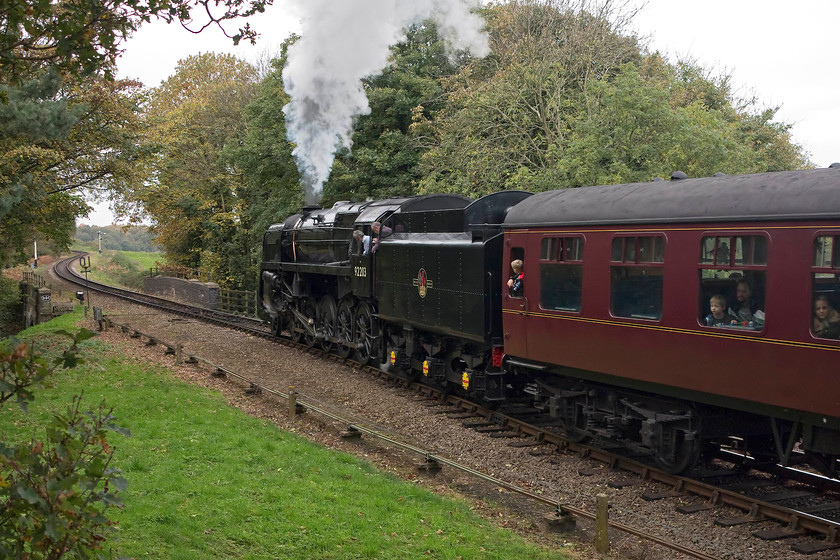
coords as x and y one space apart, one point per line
608 336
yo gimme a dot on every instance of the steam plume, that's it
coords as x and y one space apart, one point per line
341 43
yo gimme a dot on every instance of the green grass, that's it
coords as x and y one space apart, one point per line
121 268
143 259
208 481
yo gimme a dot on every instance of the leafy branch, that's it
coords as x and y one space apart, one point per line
54 492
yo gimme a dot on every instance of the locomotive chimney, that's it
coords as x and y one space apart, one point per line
309 209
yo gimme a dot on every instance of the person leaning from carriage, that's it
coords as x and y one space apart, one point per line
516 283
379 231
826 319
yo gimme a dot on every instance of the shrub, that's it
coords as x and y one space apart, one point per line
54 493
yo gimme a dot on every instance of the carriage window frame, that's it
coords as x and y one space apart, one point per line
744 257
734 250
834 257
637 255
825 269
561 254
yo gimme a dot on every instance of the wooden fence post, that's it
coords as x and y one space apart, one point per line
602 539
292 403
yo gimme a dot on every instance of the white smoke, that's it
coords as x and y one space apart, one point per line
341 43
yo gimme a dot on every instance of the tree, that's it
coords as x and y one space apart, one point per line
509 110
192 194
570 98
269 188
60 134
84 37
388 143
58 140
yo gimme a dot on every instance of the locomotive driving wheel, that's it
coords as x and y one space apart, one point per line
295 328
327 322
344 328
311 313
364 333
277 324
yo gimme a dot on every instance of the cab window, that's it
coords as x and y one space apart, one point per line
636 276
561 266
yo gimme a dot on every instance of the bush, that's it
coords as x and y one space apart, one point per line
54 493
124 271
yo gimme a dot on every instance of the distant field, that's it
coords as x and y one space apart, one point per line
144 260
206 481
122 268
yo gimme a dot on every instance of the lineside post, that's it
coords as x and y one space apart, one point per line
602 539
292 402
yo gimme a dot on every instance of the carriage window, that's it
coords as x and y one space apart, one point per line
733 275
825 317
824 256
560 273
636 284
735 250
649 249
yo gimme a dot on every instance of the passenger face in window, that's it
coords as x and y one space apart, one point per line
717 307
821 309
743 293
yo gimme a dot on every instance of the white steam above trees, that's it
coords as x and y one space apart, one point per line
341 43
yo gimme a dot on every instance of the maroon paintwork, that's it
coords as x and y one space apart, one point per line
783 365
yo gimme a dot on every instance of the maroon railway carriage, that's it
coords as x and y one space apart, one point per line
618 281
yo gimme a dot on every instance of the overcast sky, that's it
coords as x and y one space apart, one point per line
784 53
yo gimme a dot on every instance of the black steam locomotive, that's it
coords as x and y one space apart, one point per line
425 297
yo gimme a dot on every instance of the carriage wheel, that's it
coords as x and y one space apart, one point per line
574 428
344 328
364 333
327 322
685 455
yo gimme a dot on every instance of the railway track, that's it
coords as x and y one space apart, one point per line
799 502
63 269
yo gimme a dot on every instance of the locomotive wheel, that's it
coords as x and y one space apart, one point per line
276 325
326 322
294 327
344 328
311 312
363 330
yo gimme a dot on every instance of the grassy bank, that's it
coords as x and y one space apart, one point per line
121 268
208 481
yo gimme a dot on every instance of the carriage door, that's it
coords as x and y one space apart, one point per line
515 305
